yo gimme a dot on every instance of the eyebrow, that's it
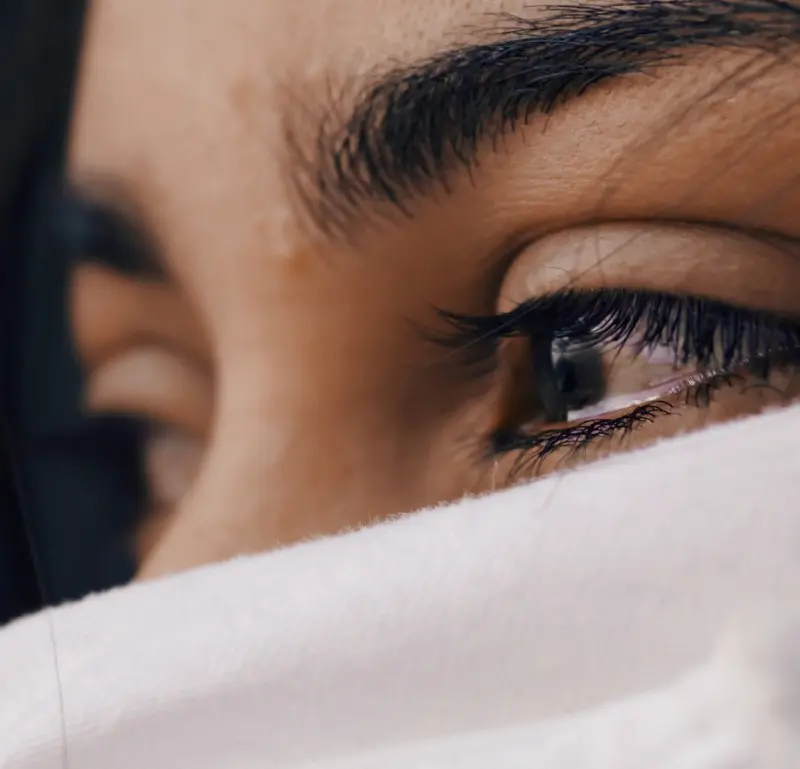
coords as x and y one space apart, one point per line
413 127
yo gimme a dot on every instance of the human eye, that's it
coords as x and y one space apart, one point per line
143 355
586 370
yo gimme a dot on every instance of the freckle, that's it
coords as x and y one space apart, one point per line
241 95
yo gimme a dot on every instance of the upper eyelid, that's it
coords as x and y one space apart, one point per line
476 339
520 318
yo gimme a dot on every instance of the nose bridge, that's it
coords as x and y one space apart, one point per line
263 488
283 463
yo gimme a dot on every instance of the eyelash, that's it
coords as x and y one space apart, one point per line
711 334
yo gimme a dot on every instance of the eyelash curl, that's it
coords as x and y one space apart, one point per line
714 336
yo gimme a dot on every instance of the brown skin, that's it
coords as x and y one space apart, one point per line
288 356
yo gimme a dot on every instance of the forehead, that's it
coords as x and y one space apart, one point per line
254 48
173 68
185 101
186 104
299 38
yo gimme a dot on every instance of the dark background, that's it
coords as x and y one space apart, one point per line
64 496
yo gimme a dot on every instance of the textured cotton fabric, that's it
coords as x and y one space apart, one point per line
638 612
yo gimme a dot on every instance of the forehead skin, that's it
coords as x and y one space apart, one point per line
183 104
231 67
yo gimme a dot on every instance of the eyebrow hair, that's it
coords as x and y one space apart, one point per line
415 125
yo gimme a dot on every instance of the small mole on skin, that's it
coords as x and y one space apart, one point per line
242 94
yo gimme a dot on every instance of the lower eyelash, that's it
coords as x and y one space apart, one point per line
574 440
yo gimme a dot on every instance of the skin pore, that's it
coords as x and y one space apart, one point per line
318 179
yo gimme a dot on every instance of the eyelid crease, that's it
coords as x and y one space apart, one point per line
149 340
111 312
150 382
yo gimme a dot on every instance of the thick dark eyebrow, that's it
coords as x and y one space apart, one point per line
414 126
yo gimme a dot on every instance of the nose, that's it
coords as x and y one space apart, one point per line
291 456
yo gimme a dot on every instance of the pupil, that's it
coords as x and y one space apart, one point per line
566 376
579 376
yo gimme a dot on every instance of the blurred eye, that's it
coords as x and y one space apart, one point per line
145 358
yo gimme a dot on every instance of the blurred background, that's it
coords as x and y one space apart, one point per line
53 458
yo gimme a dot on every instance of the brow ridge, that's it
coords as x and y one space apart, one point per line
412 127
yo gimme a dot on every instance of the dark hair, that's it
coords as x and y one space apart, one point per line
39 43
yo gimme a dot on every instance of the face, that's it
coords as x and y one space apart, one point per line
400 252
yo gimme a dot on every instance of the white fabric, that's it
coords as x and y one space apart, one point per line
569 623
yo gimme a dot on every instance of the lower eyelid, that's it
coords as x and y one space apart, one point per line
531 449
607 418
617 403
171 462
657 391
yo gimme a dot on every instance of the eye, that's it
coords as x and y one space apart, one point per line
144 359
593 378
590 370
580 380
621 349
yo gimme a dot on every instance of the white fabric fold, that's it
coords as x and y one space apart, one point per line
469 635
